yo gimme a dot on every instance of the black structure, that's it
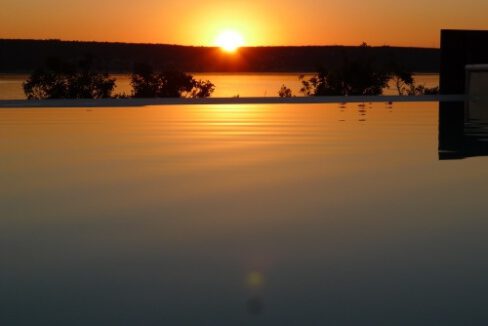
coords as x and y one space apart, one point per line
458 49
459 137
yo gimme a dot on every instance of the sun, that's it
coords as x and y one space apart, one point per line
229 41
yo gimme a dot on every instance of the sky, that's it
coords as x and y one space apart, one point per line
259 22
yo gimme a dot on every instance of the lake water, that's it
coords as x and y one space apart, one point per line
239 215
227 85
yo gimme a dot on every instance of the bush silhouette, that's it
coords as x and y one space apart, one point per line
202 89
147 84
403 81
362 77
58 80
285 91
351 78
405 84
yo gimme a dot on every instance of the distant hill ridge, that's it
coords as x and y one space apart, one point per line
26 55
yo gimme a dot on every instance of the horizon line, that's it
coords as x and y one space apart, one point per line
215 46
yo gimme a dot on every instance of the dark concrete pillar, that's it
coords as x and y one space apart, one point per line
458 49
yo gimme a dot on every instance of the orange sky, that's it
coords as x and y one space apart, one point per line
284 22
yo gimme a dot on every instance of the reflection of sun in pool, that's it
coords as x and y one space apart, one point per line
229 41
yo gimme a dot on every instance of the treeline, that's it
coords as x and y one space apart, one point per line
27 55
58 79
361 75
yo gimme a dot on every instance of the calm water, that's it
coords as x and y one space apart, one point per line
239 215
227 85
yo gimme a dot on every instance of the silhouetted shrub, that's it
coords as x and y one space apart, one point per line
362 77
146 84
58 80
405 84
431 90
422 90
353 77
202 89
403 81
285 92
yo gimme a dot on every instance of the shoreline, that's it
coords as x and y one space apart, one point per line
131 102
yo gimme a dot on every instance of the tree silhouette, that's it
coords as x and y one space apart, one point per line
202 89
361 76
285 92
405 84
147 84
58 79
402 79
353 77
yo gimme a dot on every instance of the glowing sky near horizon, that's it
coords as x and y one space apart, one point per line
287 22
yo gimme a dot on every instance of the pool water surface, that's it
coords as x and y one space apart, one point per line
239 215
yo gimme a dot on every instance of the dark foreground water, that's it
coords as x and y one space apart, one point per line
239 215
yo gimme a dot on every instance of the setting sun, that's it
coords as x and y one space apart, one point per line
229 41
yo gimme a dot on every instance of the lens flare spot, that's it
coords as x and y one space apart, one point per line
255 279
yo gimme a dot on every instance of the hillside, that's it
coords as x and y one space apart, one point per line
26 55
